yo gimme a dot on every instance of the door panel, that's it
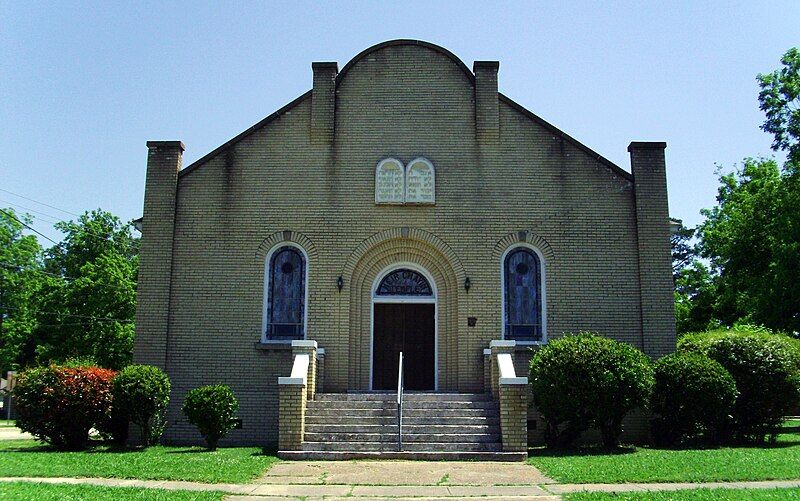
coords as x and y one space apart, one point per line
410 328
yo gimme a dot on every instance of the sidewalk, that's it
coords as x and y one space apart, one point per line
332 492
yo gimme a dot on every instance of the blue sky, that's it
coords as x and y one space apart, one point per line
84 85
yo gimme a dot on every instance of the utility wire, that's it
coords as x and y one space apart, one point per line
56 275
12 216
85 317
38 202
54 219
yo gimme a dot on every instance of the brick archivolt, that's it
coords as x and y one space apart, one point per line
286 236
523 236
382 254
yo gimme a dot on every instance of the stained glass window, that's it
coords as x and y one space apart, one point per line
286 294
523 295
404 282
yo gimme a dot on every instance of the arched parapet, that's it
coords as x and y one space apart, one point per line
286 236
404 233
523 236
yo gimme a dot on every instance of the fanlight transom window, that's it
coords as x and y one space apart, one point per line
286 293
404 282
522 274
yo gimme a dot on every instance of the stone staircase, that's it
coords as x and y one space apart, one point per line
436 426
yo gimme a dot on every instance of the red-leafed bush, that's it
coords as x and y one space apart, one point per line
59 405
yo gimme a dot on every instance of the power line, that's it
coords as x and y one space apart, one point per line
27 226
38 202
69 315
54 219
56 275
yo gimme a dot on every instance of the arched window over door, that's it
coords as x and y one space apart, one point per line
404 282
522 296
286 294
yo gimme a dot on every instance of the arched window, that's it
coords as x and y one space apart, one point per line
522 279
286 291
404 282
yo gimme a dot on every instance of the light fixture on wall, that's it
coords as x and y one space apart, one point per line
467 284
339 283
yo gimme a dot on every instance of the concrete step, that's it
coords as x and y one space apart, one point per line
391 420
407 397
407 446
418 456
472 438
407 412
383 404
392 428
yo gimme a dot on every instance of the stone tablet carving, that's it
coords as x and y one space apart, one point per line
420 182
389 182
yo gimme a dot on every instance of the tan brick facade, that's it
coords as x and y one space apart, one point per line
306 175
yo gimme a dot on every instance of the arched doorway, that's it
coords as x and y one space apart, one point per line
404 318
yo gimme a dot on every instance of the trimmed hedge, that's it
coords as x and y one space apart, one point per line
141 396
692 398
766 368
59 405
213 410
585 381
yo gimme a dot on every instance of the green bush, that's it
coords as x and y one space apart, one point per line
766 368
59 405
141 396
692 398
212 409
586 381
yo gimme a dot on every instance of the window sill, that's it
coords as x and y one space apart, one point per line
273 345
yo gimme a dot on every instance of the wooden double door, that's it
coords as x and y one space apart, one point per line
410 328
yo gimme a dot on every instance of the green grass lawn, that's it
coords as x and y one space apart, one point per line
779 461
691 495
28 458
12 491
6 422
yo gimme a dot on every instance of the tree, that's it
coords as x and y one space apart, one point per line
695 298
780 100
88 310
683 253
752 239
20 262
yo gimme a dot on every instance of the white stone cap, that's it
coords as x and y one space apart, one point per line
514 380
304 343
320 352
299 370
499 343
487 351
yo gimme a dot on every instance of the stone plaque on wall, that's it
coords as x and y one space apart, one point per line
420 182
389 182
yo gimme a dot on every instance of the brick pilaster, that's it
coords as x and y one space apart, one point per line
164 160
487 370
648 167
514 415
291 415
320 370
487 104
308 347
496 347
323 102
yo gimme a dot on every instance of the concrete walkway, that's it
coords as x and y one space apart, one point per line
269 490
13 433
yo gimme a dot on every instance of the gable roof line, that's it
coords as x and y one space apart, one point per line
266 121
555 130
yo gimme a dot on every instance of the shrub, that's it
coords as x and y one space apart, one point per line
693 397
141 396
59 405
766 368
587 381
212 409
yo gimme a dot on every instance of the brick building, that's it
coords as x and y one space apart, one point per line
402 204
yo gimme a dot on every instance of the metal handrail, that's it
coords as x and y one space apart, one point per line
400 404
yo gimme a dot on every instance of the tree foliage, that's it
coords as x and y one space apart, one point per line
76 299
780 100
20 260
